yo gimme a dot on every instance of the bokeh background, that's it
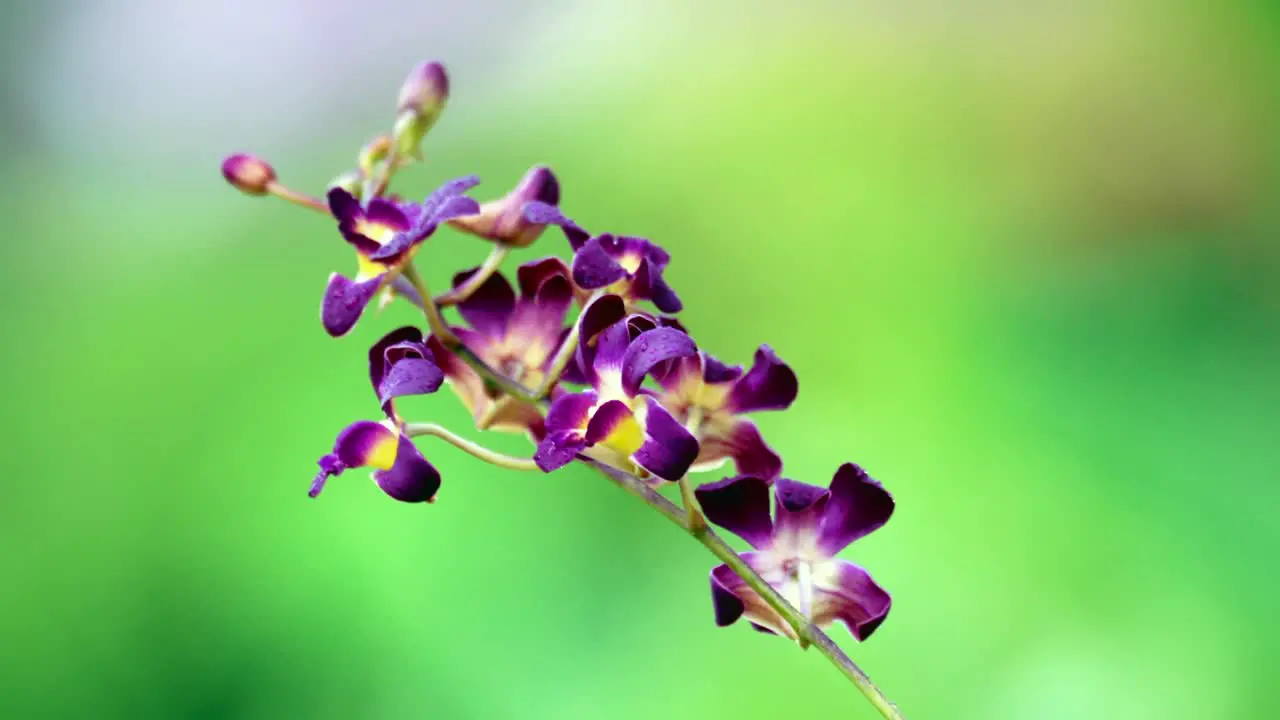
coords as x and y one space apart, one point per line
1023 257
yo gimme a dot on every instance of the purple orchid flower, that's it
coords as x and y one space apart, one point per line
795 551
386 234
401 364
711 398
630 267
503 220
616 422
399 469
517 336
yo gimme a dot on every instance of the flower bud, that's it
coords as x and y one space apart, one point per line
248 174
503 220
422 99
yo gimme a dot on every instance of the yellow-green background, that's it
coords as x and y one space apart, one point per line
1023 259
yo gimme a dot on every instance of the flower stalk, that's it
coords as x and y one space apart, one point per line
622 389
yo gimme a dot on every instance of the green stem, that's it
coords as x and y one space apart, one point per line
297 198
478 278
473 449
435 321
806 632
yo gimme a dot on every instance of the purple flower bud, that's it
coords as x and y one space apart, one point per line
248 174
422 99
425 90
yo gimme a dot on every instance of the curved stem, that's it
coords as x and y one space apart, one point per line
478 278
807 632
435 321
473 449
297 198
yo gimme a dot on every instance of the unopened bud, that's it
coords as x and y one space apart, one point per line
248 174
422 98
503 220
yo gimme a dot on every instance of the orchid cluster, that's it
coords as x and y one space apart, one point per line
586 359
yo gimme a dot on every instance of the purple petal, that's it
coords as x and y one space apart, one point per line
649 285
457 206
558 449
799 513
410 376
433 202
611 348
669 449
847 593
741 506
593 268
366 444
411 479
732 598
715 371
570 412
858 505
532 275
344 302
614 424
384 212
751 454
768 385
378 361
542 213
344 206
651 348
490 306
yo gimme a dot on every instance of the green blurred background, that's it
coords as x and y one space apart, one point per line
1024 260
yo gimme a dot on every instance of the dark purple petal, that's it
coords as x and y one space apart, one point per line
366 444
344 206
751 454
663 297
728 608
614 424
799 512
490 306
715 371
542 213
741 506
409 376
344 301
532 275
378 361
570 412
558 449
669 449
732 598
651 348
768 385
593 268
858 506
847 593
411 478
384 212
